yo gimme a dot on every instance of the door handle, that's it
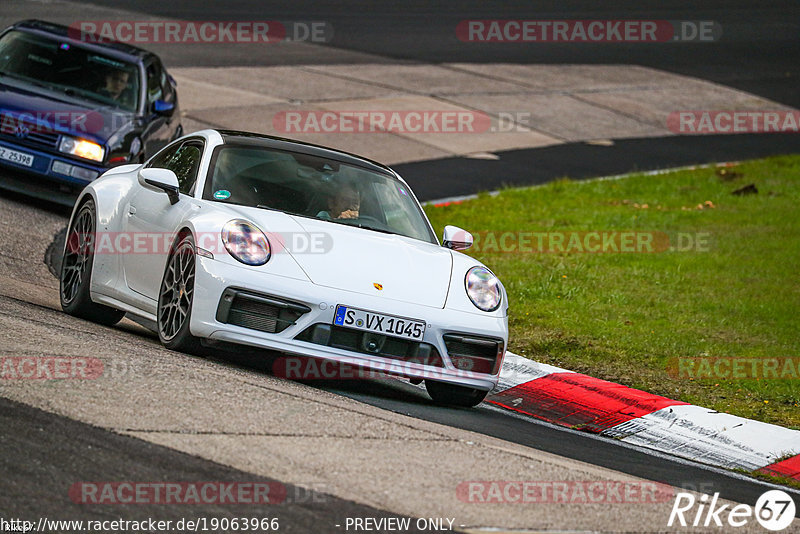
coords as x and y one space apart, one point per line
131 210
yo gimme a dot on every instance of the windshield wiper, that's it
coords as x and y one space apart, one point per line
337 221
24 79
376 229
360 225
270 208
77 92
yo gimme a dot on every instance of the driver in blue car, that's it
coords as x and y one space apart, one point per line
343 203
115 85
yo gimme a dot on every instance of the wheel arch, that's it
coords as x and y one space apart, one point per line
186 229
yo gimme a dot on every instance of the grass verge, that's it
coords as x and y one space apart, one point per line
721 283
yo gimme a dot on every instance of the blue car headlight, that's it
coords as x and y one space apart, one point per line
81 148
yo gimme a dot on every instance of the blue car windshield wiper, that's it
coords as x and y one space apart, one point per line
22 78
74 91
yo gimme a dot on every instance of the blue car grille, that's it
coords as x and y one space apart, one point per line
33 135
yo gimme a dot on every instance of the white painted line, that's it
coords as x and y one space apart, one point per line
711 437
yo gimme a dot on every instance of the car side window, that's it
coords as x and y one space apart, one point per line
184 161
185 165
166 87
154 89
160 160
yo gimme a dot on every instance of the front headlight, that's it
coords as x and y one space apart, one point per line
81 148
245 242
483 288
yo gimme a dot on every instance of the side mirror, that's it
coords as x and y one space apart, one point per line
162 107
456 239
163 179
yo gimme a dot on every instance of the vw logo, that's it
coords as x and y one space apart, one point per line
22 131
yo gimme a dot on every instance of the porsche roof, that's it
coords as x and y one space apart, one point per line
282 143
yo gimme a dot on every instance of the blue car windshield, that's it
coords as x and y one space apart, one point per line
315 187
70 69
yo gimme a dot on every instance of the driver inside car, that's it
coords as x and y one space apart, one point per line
343 203
115 86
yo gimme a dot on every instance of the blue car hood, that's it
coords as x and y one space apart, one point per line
51 111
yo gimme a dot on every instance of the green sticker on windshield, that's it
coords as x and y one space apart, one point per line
222 194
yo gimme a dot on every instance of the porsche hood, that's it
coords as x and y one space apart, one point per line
374 263
360 260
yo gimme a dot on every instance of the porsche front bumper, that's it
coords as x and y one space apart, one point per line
305 331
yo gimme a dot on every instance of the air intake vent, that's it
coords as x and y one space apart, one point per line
258 312
476 354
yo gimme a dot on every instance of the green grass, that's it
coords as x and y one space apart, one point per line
623 316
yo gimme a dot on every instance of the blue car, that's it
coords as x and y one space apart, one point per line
71 108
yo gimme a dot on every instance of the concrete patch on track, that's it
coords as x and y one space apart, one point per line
525 106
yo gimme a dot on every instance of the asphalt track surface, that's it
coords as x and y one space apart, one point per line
449 177
759 53
58 451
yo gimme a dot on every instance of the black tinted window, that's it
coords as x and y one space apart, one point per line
184 161
62 66
155 91
315 187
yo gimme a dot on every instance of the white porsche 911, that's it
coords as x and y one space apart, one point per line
243 238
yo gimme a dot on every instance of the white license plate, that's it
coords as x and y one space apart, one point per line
379 323
16 157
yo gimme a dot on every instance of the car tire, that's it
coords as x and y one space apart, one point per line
175 298
76 270
453 395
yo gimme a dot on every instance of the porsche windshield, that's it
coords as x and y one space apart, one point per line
75 71
315 187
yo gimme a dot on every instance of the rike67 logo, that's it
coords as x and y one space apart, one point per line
774 510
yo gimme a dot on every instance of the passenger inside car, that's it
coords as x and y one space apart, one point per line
344 202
